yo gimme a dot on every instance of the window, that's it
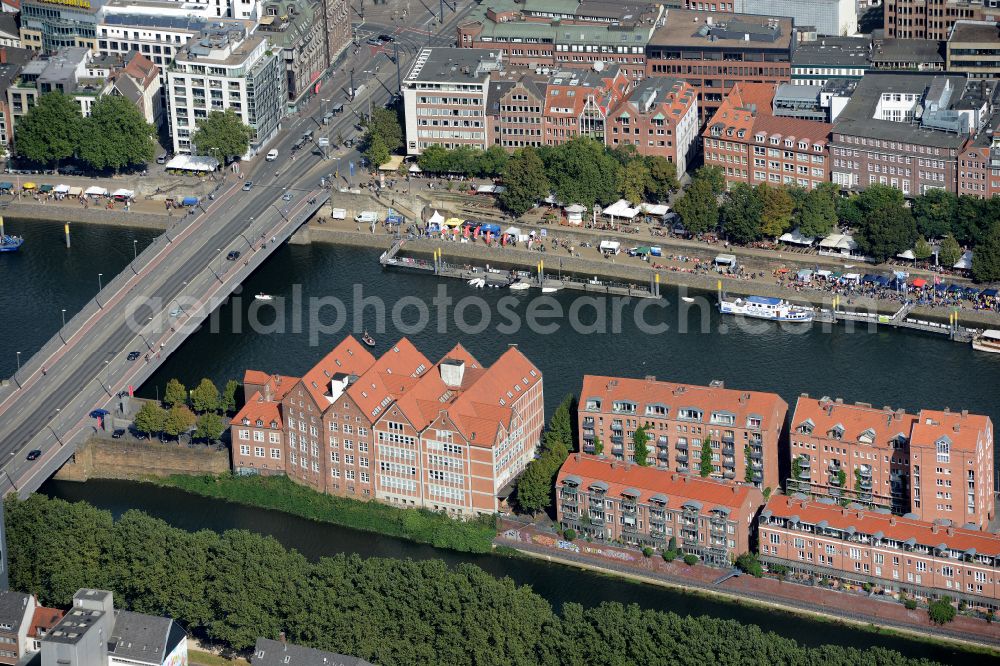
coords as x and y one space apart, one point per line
943 451
244 449
276 454
244 434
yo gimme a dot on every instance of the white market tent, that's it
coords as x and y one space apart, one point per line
193 163
513 231
123 193
96 191
574 214
851 277
75 191
656 210
796 238
610 247
965 263
838 244
436 218
415 168
61 189
725 260
621 208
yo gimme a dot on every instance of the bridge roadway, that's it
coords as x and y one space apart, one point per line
46 405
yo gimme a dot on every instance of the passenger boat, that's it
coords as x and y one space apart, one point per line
478 283
367 339
264 297
11 243
761 307
520 286
987 341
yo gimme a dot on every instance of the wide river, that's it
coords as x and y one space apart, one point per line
321 288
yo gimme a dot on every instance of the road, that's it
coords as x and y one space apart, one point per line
87 365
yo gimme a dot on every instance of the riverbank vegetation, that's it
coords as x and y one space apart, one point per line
236 586
281 494
536 487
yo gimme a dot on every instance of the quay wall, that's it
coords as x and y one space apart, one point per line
104 458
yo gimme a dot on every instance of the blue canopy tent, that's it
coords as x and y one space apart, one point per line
988 293
941 286
6 186
881 280
869 279
954 288
434 228
189 201
489 228
970 292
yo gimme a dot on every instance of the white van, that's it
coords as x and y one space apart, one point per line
272 155
367 216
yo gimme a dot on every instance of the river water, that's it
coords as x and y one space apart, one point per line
902 369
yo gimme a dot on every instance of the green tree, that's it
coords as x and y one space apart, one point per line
598 446
150 418
705 467
950 252
941 611
50 131
376 152
222 135
922 249
639 442
971 219
582 171
525 181
714 176
741 214
817 213
116 135
175 393
986 258
178 421
934 211
229 396
778 207
209 427
662 176
492 162
797 467
205 396
635 179
691 559
535 487
384 123
748 465
434 159
841 478
698 208
887 227
748 563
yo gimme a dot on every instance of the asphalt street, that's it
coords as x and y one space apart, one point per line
51 408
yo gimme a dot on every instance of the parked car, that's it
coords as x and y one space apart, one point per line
287 196
247 186
34 454
118 433
374 42
233 256
384 37
271 155
133 355
176 311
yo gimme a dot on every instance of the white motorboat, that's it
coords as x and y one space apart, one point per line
478 283
687 299
264 297
987 341
761 307
550 290
520 286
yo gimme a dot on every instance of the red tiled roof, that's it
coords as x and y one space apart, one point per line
44 619
676 396
892 527
255 377
650 481
827 414
349 357
388 377
748 107
259 409
966 431
812 131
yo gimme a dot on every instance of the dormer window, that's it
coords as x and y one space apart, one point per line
690 414
593 405
657 409
753 422
807 426
867 437
626 406
260 423
759 138
943 450
789 143
723 418
803 145
818 148
246 421
836 432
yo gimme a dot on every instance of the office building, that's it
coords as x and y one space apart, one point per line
826 17
738 429
814 63
905 55
227 68
973 49
337 24
297 29
659 118
933 19
607 500
51 25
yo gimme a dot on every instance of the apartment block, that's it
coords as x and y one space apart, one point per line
908 130
227 68
659 117
449 436
973 49
297 29
337 23
894 554
933 466
740 429
514 109
580 103
444 98
16 612
933 19
752 145
979 163
606 499
712 52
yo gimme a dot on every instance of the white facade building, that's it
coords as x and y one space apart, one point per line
227 69
829 17
208 9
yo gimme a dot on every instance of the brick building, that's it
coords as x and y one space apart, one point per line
514 109
612 500
751 145
713 52
935 465
973 49
895 554
448 436
979 163
743 427
933 19
659 117
578 103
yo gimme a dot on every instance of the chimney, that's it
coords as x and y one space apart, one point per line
844 511
577 457
268 394
892 521
947 410
673 477
452 372
650 378
840 401
685 478
965 413
614 463
934 528
950 531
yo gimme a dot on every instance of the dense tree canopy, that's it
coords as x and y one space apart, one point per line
535 487
236 586
986 258
525 180
116 135
886 225
222 135
698 207
50 132
582 171
742 214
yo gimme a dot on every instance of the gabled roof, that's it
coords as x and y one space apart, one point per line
279 653
853 420
964 431
14 609
144 638
349 357
258 407
388 378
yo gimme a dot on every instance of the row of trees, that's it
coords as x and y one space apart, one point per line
383 135
237 586
114 136
203 409
536 486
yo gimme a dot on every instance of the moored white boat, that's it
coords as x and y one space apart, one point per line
264 297
987 341
550 290
520 286
478 283
762 307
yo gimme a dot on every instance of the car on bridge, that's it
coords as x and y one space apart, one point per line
247 186
133 355
233 256
34 454
287 196
386 38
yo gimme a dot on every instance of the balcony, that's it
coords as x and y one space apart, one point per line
729 475
629 508
629 528
570 511
588 447
805 462
757 477
834 466
683 469
756 455
682 446
729 462
597 518
618 450
728 450
588 422
682 457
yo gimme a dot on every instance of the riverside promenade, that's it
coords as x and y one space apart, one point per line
850 606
